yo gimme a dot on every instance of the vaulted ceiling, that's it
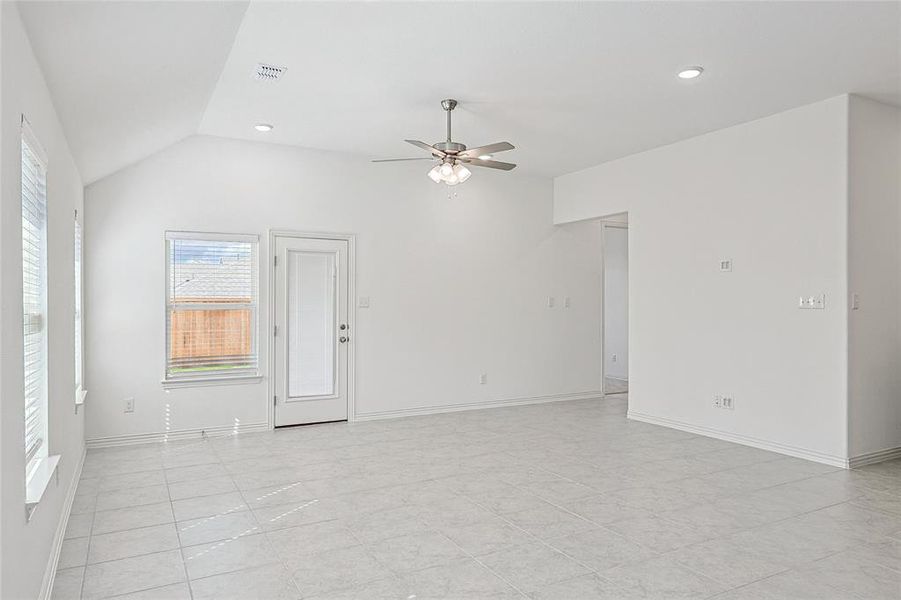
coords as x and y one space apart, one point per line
570 84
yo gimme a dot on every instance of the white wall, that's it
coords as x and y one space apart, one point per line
616 302
26 546
874 337
771 196
458 286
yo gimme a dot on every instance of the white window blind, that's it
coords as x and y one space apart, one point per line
34 296
211 312
79 364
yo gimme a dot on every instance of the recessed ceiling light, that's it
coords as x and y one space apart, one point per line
485 157
690 72
263 127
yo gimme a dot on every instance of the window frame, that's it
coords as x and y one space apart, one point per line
78 333
222 377
33 463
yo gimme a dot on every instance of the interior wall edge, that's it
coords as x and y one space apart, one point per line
448 408
59 537
727 436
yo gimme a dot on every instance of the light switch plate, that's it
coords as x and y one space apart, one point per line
364 302
725 265
817 302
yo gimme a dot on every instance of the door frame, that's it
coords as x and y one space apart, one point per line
351 312
609 224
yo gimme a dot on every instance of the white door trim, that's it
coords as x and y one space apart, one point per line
605 225
351 312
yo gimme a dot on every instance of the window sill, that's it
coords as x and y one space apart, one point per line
38 481
80 395
210 381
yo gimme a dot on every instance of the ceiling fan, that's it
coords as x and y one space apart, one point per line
453 156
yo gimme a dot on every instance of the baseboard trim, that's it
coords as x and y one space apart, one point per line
60 535
447 408
795 451
870 458
171 436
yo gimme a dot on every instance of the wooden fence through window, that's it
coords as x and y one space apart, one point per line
225 335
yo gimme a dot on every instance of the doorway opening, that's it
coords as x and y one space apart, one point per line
615 244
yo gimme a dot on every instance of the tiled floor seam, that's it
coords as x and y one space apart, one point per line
728 587
84 571
793 567
401 575
476 559
84 576
156 587
558 551
181 551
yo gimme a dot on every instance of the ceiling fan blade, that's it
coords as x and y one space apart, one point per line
489 149
491 164
425 146
400 159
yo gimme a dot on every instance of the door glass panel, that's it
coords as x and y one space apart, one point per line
311 324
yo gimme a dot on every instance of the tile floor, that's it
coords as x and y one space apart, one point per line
555 501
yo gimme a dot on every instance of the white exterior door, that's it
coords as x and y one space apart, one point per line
312 335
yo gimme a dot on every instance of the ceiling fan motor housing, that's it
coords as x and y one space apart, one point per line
450 147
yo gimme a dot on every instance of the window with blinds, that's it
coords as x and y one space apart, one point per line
79 364
34 297
211 311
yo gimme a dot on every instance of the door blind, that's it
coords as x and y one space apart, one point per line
34 300
211 316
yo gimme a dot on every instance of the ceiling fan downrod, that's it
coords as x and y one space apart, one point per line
448 105
449 147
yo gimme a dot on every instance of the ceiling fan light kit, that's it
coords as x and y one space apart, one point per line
453 156
450 175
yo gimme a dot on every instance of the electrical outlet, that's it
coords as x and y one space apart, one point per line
483 378
613 358
550 302
725 402
130 404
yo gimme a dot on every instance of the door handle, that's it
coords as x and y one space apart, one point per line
343 339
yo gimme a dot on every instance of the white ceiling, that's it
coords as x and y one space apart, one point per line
570 84
129 78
